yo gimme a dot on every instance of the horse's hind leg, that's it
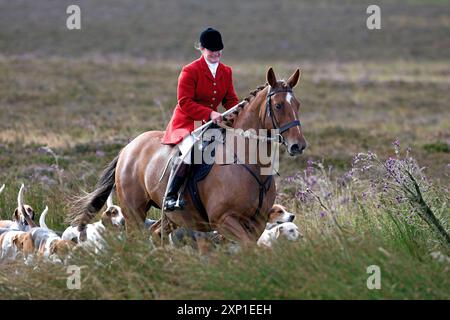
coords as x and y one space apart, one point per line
160 231
134 205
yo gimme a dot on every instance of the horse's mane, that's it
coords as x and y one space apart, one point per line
248 99
255 92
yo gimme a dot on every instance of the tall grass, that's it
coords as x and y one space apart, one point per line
348 225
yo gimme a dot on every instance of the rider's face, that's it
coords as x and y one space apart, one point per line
211 56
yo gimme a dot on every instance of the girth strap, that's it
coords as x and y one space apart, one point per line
263 188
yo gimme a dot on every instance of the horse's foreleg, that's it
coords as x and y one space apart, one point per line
230 227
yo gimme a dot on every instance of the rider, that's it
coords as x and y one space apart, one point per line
202 86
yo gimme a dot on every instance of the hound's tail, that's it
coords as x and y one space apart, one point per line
42 223
85 207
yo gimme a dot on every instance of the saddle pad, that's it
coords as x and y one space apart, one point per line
198 173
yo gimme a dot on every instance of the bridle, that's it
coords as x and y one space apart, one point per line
269 112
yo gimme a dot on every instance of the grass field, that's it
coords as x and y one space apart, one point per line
70 101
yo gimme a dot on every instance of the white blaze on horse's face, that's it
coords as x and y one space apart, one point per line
289 98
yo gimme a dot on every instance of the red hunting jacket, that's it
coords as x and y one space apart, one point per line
199 93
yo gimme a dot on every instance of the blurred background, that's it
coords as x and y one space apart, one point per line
287 31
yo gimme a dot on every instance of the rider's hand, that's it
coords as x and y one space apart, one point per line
216 117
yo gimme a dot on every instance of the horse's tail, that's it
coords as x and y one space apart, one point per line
84 208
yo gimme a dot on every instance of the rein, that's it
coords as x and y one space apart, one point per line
249 135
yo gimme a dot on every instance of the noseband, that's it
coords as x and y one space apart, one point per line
271 114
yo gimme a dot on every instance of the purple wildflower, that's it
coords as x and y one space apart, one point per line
371 156
390 164
302 196
396 144
311 181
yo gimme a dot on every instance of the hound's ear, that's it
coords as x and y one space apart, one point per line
106 219
16 215
53 248
292 82
17 242
27 217
270 215
277 233
271 79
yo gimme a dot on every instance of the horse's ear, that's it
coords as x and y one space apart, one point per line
292 82
271 79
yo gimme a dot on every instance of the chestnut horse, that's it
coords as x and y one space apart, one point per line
231 194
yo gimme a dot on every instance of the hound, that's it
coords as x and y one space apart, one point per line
286 230
23 217
279 224
43 243
278 214
203 241
112 218
148 223
8 244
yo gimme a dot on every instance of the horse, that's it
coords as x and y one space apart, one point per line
237 197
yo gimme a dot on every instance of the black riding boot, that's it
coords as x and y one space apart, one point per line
172 195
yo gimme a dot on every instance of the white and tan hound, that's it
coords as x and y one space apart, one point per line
111 219
279 225
23 217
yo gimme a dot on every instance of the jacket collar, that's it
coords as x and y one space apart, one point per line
207 72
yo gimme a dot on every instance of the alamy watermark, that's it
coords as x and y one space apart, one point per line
374 280
73 21
74 279
373 22
251 146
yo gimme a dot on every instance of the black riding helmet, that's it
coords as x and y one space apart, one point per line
211 39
